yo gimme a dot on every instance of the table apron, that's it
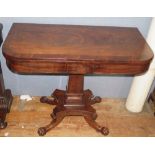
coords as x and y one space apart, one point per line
34 67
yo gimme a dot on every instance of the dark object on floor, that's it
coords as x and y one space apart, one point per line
5 95
151 99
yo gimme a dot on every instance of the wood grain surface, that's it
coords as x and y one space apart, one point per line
71 49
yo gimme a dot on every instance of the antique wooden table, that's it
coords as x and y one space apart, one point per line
75 51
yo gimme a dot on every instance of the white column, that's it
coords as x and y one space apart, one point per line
141 84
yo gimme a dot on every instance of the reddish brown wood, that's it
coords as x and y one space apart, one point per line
5 95
75 51
68 49
75 102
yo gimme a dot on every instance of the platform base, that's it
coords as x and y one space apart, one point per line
73 102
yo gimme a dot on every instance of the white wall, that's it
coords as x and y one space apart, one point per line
105 86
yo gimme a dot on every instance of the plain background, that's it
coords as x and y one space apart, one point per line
104 86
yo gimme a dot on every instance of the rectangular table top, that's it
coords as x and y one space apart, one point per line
72 49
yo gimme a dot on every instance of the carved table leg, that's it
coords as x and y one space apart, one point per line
73 102
93 124
91 99
57 98
43 130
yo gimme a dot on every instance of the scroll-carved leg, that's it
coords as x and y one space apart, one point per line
57 98
93 124
90 97
43 130
96 99
53 115
45 99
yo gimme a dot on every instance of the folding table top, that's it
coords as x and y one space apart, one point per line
72 49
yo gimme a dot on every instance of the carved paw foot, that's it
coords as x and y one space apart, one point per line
105 131
3 125
42 131
96 126
89 97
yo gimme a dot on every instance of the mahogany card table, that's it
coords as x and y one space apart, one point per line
75 51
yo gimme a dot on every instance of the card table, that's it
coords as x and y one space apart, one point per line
76 51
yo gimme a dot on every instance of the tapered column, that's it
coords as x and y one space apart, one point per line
141 84
75 91
75 84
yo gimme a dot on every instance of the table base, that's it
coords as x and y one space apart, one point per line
73 102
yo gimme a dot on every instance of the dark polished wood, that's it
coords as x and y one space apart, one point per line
75 51
5 95
67 49
73 102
